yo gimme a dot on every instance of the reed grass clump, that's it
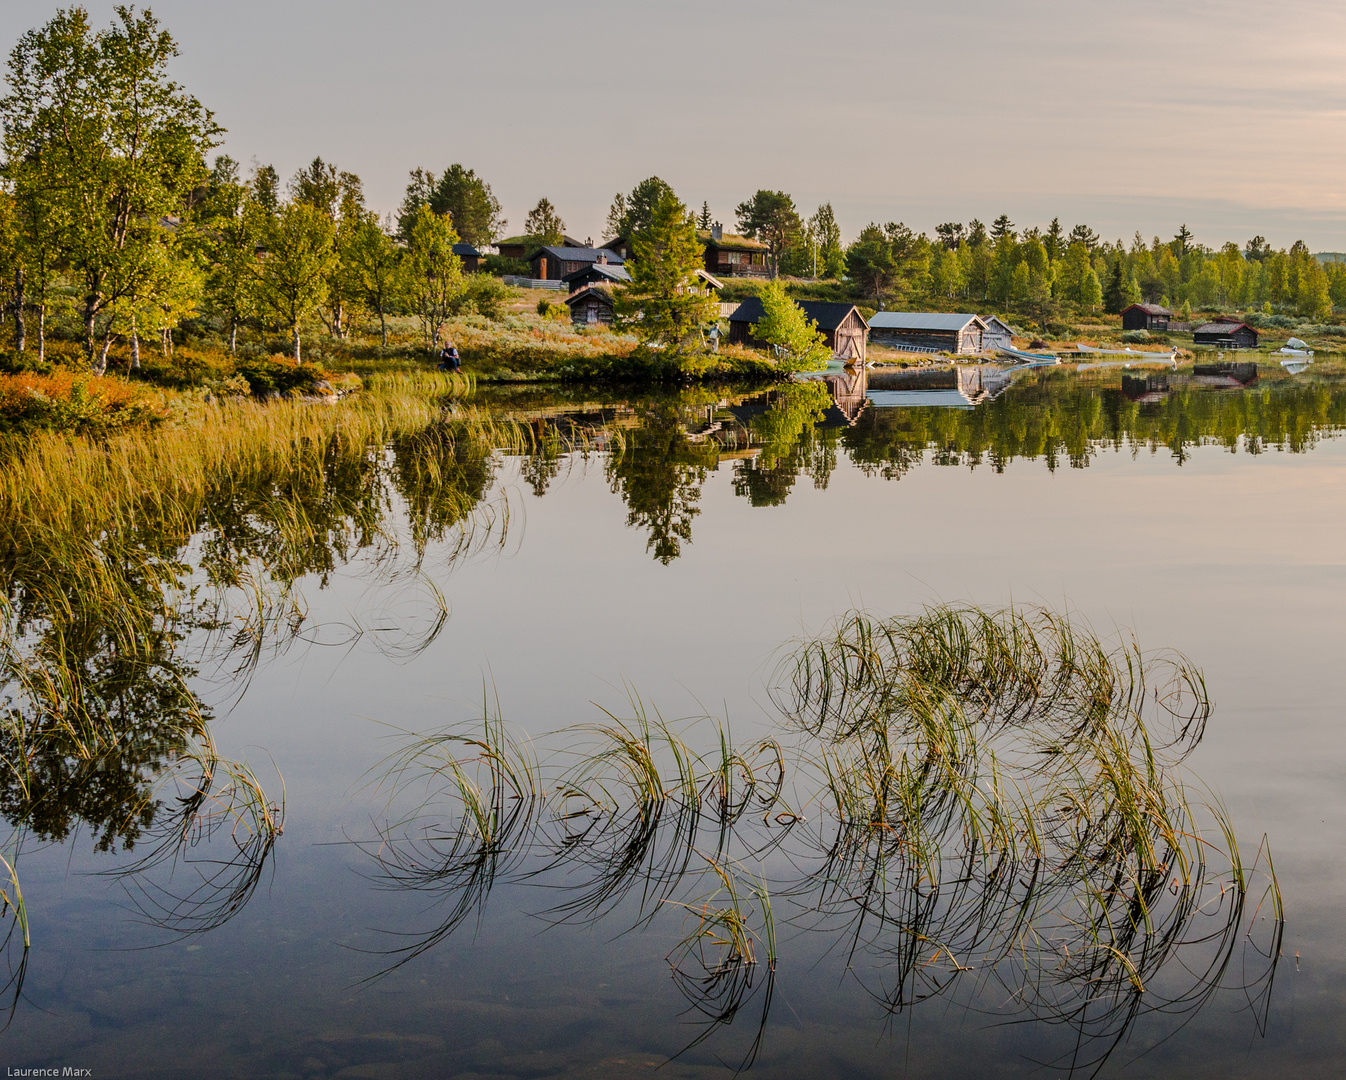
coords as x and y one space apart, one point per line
978 799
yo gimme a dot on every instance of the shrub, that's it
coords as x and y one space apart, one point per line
1136 337
78 403
499 266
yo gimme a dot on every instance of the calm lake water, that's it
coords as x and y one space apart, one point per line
675 559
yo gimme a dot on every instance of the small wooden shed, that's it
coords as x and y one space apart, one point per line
591 305
843 327
1225 335
926 331
469 256
1146 317
996 333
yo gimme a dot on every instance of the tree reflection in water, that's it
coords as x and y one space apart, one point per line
986 808
107 644
663 448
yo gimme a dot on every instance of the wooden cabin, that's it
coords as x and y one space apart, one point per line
591 305
553 263
1225 335
1146 317
469 256
996 333
520 247
921 331
843 327
734 256
597 273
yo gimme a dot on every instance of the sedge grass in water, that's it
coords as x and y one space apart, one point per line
976 805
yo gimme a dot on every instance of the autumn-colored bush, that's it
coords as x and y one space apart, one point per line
71 401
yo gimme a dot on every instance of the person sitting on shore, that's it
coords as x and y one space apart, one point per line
448 358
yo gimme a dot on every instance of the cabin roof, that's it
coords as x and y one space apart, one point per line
826 314
598 291
466 251
923 320
731 242
1149 309
577 254
525 241
1223 327
608 270
713 282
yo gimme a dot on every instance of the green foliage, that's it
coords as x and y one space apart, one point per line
431 274
104 148
771 217
666 303
631 215
293 279
544 225
798 343
871 263
499 265
470 204
483 295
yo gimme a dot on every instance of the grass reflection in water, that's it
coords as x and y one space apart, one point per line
144 572
987 807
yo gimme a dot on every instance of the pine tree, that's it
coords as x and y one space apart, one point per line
544 224
665 302
705 221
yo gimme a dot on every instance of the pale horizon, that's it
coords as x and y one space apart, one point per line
1227 117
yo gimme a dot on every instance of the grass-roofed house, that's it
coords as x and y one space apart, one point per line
1146 317
734 256
554 262
925 331
520 247
843 327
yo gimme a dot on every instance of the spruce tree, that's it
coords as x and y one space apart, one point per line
665 302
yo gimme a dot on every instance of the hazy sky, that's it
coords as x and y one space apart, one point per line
1230 116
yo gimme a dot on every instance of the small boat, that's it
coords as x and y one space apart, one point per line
1141 355
1299 353
1033 359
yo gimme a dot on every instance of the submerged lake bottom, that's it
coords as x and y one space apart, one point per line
702 736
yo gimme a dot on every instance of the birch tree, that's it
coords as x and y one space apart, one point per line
93 118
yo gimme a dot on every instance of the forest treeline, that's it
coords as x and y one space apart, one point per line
117 225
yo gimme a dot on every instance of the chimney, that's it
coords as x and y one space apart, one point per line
717 231
602 258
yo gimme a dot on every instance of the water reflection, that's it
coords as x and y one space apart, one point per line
663 448
986 808
110 646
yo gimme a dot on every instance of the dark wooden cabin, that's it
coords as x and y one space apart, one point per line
1225 335
1146 317
469 256
597 273
521 247
734 256
925 331
843 327
591 305
554 263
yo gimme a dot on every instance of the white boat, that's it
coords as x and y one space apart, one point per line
1299 353
1140 355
